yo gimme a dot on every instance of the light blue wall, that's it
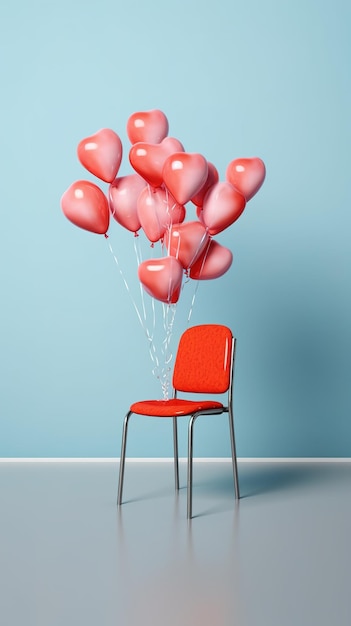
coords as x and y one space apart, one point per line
268 79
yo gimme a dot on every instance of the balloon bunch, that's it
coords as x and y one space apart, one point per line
154 199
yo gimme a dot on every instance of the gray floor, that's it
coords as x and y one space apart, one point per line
281 557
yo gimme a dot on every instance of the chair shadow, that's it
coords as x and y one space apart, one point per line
262 478
255 479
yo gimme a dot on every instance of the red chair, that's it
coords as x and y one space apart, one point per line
204 364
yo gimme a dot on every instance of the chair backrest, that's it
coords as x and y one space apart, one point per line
204 359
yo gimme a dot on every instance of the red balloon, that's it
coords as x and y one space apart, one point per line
214 261
222 206
148 158
150 126
101 154
212 178
199 214
123 200
246 175
86 206
186 242
157 209
184 174
162 278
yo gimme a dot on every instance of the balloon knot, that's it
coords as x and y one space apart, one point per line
152 245
136 234
106 236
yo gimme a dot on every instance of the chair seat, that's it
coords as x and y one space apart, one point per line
173 407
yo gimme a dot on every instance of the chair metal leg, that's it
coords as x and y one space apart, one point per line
234 461
123 458
190 467
176 460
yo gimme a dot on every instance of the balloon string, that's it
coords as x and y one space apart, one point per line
153 317
139 258
125 282
198 282
169 210
169 312
203 238
161 374
144 327
149 334
205 256
193 302
151 191
138 254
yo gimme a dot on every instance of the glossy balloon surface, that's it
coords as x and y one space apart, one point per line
148 159
123 200
184 174
101 154
150 126
162 278
246 175
214 261
223 205
212 178
157 209
186 242
86 206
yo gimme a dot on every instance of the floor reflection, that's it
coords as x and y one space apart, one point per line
279 556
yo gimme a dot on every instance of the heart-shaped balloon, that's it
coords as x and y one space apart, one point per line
184 174
246 175
157 209
123 200
212 178
222 206
214 261
86 206
162 278
186 242
101 154
149 126
148 158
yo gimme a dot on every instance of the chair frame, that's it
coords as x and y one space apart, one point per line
228 408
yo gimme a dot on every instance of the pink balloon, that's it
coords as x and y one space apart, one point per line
86 206
184 174
222 206
157 209
123 200
214 261
212 178
148 158
101 154
150 126
246 175
186 242
162 278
